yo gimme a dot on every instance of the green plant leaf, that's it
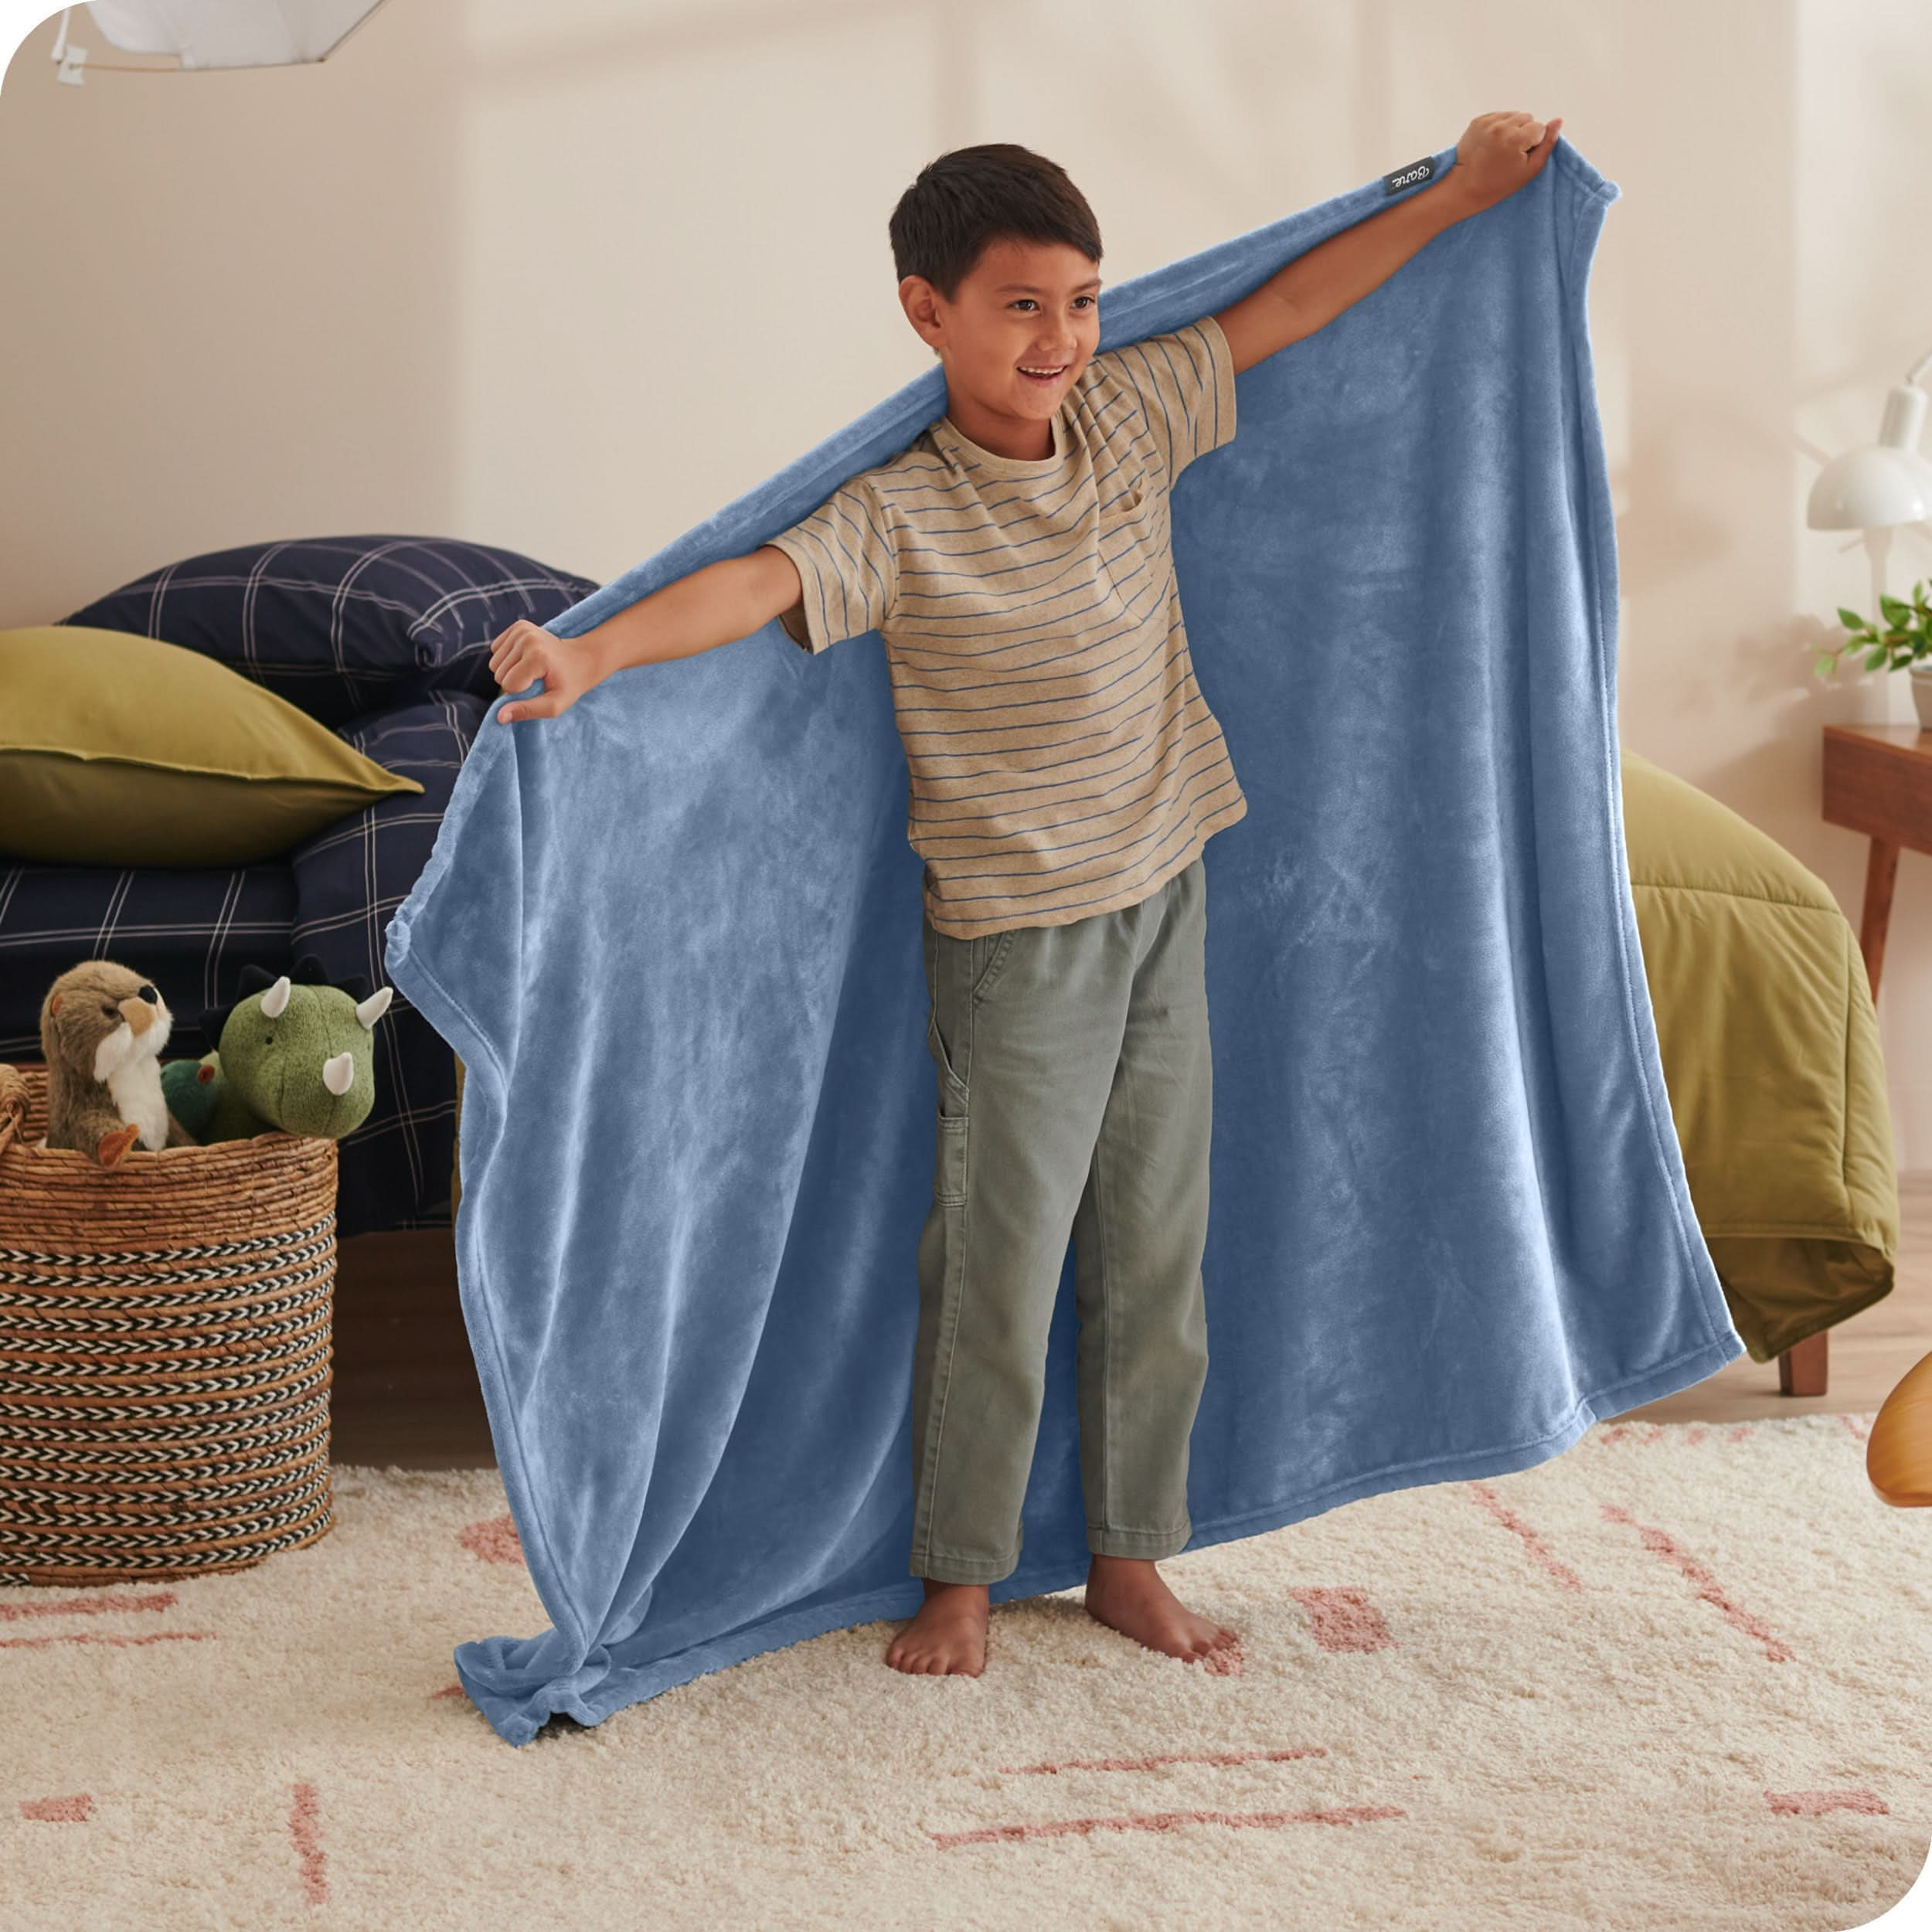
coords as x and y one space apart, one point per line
1874 659
1850 619
1896 610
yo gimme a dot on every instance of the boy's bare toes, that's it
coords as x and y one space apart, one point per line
947 1637
1132 1597
1225 1660
934 1656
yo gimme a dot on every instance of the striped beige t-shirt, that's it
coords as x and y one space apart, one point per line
1062 758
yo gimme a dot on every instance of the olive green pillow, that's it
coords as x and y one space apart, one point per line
122 750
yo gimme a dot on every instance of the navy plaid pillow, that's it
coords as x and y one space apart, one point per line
341 625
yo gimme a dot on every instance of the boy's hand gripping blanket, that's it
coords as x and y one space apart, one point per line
674 935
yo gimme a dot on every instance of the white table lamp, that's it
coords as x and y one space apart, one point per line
214 33
1883 483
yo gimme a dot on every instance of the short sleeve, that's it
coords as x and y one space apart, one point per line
1184 382
847 562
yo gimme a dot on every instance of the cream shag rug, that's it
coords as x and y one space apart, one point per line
1680 1677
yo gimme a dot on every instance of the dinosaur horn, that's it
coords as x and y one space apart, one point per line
276 999
369 1011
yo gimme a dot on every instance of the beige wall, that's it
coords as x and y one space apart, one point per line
569 278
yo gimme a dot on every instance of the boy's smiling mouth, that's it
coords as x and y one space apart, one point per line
1044 376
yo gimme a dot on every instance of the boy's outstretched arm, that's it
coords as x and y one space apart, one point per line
1497 154
713 605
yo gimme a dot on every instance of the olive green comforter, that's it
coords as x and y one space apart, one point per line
1770 1054
1769 1046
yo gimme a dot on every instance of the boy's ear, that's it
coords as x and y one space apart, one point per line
919 299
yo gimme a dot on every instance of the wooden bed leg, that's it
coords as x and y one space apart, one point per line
1804 1369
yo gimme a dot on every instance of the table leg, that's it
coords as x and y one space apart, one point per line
1881 870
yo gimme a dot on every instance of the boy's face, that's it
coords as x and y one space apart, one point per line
1024 306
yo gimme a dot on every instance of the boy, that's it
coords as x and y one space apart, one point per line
1065 773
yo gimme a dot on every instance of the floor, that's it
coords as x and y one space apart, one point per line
406 1390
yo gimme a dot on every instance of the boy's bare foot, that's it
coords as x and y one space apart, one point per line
1128 1594
948 1634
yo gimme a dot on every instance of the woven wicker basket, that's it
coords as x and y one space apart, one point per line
166 1352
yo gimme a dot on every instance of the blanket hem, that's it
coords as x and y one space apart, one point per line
626 1686
1600 534
450 1018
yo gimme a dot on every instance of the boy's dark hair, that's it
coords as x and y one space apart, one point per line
974 196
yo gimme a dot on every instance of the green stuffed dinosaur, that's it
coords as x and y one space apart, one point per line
296 1054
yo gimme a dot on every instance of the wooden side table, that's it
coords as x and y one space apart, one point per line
1878 780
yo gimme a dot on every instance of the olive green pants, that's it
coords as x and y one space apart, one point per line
1075 1091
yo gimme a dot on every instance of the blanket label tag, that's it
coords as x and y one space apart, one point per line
1417 172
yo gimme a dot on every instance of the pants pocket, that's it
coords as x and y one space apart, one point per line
949 1161
952 1089
1002 944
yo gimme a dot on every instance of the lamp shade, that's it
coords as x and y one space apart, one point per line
230 33
1884 483
1869 489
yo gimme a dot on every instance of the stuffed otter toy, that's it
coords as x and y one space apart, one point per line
102 1029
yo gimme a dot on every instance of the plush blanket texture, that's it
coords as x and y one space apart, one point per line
674 935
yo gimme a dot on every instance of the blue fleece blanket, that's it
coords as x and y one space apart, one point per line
674 935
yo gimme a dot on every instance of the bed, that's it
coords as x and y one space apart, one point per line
385 639
1765 1022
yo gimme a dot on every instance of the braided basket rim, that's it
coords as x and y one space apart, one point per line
23 1102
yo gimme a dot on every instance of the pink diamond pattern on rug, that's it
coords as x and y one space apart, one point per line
1167 1821
304 1827
102 1603
1344 1619
1614 1433
76 1810
494 1540
1662 1545
1563 1575
1169 1757
1813 1804
108 1637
